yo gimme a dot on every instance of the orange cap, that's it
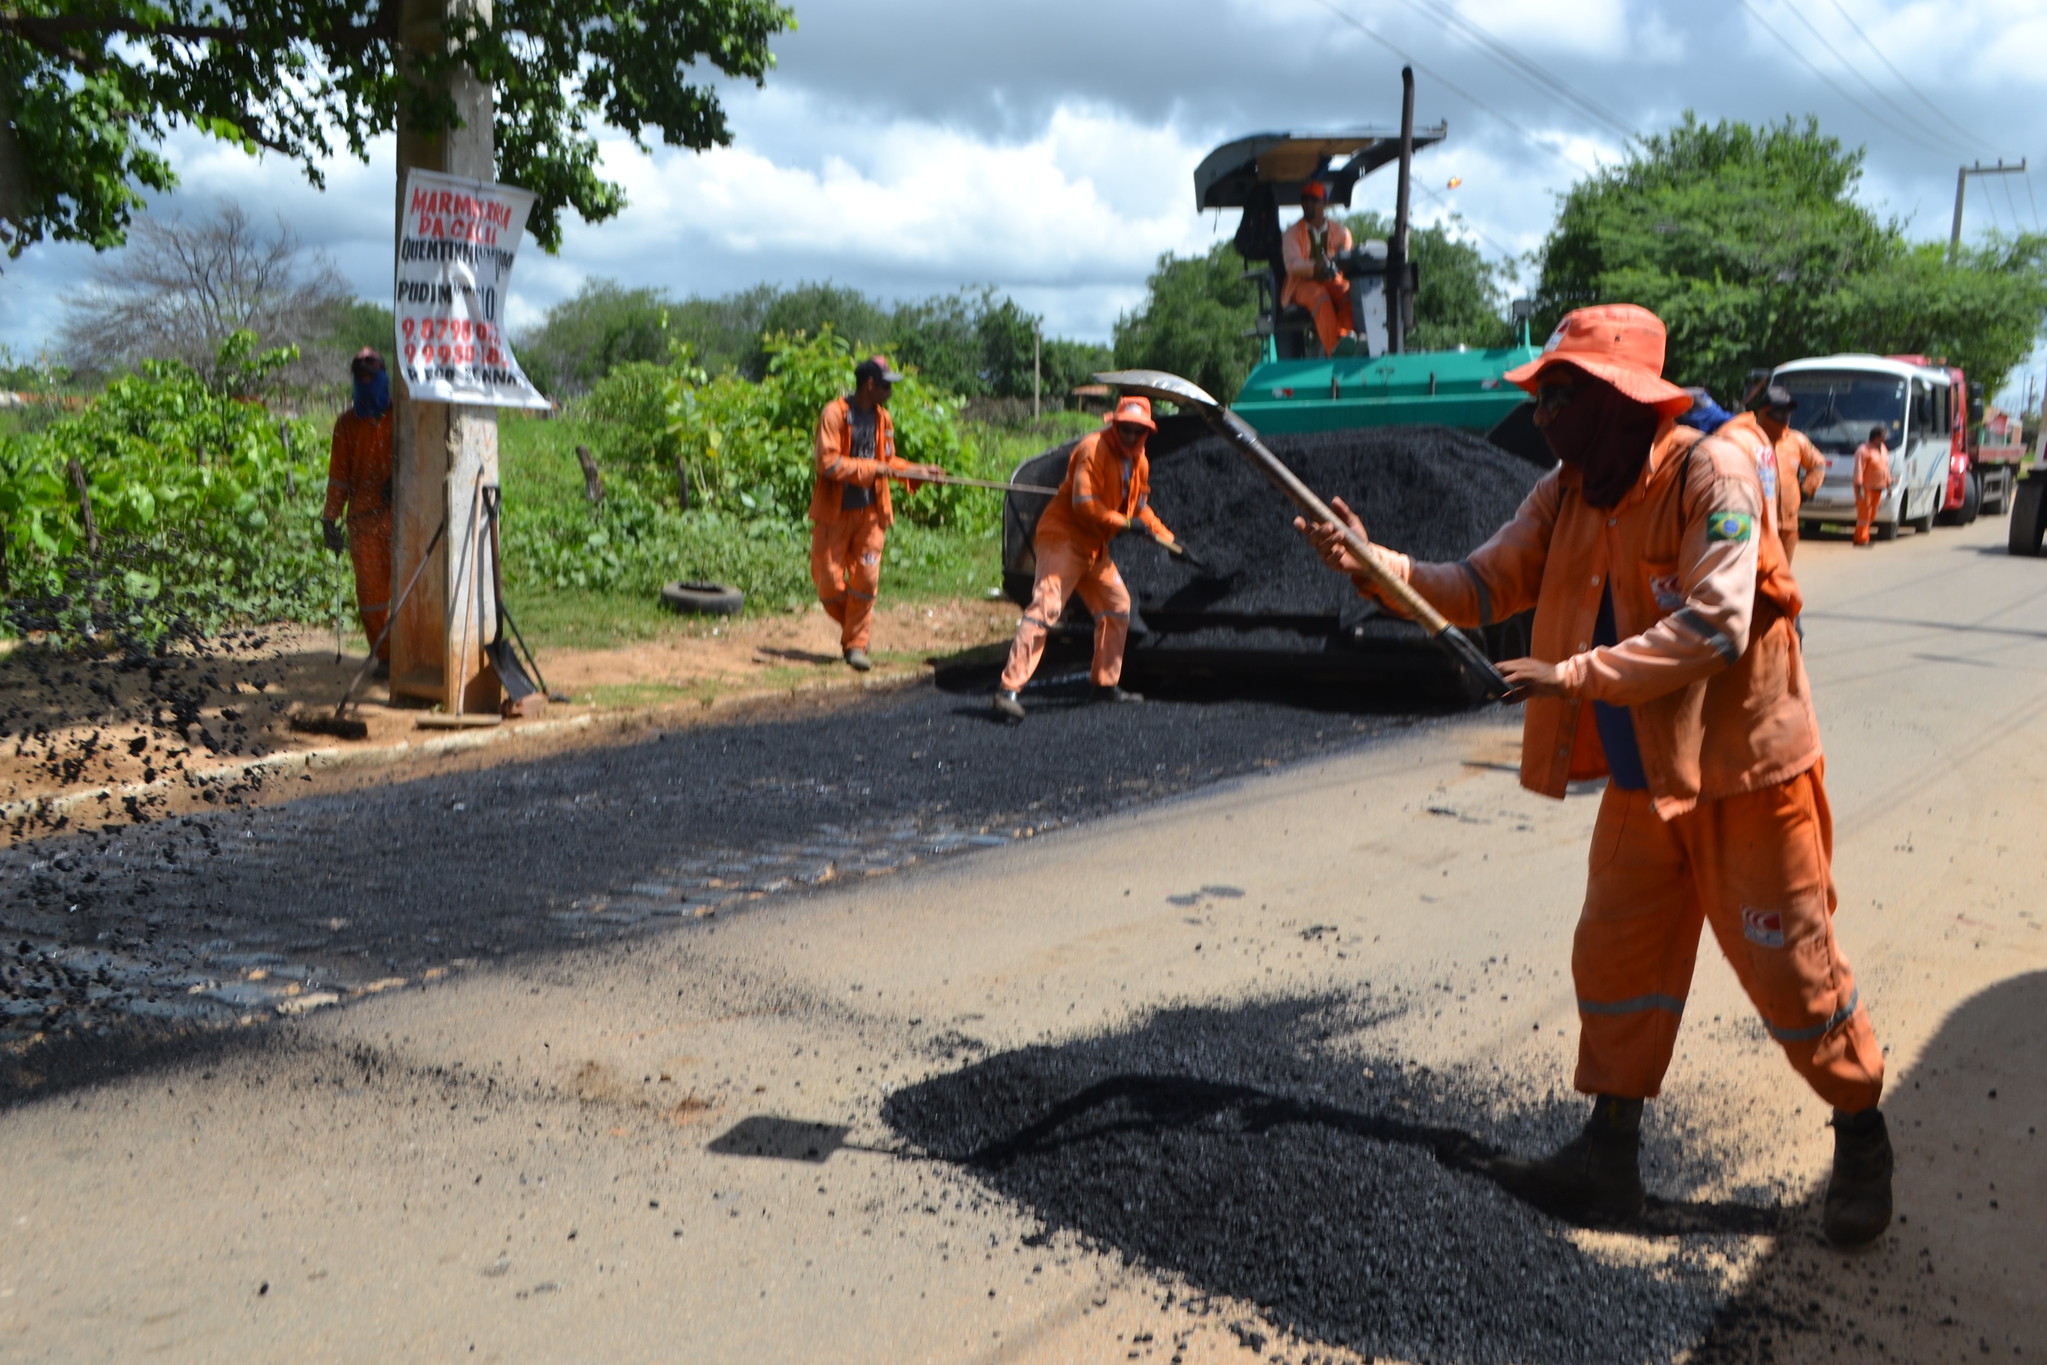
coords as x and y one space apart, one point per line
1314 189
1621 343
1132 408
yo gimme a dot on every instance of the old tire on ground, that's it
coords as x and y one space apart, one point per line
703 599
2028 517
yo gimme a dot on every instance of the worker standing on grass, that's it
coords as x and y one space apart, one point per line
1872 480
850 509
1106 491
1310 248
1800 466
1664 659
359 480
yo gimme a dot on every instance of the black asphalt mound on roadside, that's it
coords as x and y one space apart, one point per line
1431 492
1252 1151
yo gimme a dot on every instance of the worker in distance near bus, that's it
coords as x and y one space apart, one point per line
1800 466
1310 248
1664 659
1872 480
359 482
1105 491
850 507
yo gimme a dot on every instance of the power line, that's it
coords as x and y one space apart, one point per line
1811 66
1473 32
1903 79
2016 226
1454 89
2034 203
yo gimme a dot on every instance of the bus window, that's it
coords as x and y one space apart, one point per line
1836 408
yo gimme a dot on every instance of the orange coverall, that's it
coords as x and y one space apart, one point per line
846 542
1872 480
1800 467
1328 301
1733 828
359 478
1105 489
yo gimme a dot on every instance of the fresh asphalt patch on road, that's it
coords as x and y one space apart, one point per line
1278 1153
118 941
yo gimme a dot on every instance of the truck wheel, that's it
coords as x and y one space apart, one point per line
1888 530
2026 517
1972 499
2003 501
1923 523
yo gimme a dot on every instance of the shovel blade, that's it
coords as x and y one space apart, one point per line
1159 385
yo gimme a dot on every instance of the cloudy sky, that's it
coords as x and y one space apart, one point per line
909 147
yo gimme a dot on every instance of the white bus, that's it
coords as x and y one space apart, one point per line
1840 397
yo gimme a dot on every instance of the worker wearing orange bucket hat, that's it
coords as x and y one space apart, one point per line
1665 660
1310 248
1106 490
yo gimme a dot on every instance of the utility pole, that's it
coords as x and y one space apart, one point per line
1954 241
444 451
1397 304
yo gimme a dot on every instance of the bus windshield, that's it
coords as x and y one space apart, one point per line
1836 409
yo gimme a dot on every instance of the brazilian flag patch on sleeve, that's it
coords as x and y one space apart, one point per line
1729 526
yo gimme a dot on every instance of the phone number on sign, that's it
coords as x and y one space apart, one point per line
454 354
450 329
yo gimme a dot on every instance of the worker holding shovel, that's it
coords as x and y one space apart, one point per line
850 507
1105 492
1664 659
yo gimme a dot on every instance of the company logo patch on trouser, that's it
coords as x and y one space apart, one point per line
1064 568
845 566
1757 868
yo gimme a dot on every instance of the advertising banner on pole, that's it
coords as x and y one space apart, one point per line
457 239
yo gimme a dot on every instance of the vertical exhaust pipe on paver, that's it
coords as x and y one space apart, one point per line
1161 386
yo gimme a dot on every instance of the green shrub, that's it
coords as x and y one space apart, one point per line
205 515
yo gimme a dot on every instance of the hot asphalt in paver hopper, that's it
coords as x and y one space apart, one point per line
1432 448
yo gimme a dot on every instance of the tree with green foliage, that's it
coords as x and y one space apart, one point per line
1750 245
89 91
1195 321
584 337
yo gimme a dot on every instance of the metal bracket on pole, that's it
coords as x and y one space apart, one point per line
1954 241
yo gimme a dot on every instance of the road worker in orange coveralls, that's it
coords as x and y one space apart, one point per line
850 508
1800 466
1872 480
1664 660
359 480
1106 491
1310 248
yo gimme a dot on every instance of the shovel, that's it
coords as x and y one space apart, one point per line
1159 385
342 725
959 481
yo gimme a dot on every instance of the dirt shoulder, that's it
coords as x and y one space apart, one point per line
85 742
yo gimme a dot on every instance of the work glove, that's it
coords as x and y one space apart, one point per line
336 538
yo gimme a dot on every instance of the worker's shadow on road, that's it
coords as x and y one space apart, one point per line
1271 1153
1959 1272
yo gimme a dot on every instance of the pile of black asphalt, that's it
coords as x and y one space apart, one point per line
480 863
1280 1153
1431 492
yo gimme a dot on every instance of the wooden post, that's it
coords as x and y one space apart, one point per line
445 452
84 487
593 482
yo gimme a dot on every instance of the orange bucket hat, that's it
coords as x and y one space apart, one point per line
1621 343
1132 408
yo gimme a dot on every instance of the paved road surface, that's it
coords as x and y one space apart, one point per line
1196 1077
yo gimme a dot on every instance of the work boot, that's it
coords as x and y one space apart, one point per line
1007 706
1111 692
1596 1177
857 660
1858 1205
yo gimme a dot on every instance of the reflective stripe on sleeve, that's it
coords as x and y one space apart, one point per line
1696 624
1807 1035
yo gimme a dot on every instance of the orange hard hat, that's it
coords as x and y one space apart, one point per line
1621 343
1314 189
1132 408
